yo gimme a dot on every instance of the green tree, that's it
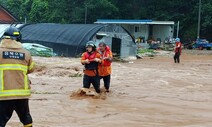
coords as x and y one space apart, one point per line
73 11
38 11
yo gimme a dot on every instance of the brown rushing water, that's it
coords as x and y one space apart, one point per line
144 93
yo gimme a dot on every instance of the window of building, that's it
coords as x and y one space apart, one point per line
136 29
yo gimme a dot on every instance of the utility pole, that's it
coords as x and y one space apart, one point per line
199 19
178 27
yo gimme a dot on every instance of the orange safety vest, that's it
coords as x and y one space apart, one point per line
105 54
91 57
92 65
178 48
90 70
105 67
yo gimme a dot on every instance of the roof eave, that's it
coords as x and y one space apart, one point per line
131 23
9 13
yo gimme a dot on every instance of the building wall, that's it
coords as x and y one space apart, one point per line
128 47
138 30
160 32
5 17
141 31
163 32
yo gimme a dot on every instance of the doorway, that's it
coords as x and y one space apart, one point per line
116 46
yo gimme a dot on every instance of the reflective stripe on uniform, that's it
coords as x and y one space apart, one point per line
13 67
31 65
2 81
19 92
28 125
6 93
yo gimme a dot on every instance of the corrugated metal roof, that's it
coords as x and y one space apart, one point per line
114 21
69 39
70 34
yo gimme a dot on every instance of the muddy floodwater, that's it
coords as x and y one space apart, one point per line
148 92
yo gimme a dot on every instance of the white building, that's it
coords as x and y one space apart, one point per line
147 29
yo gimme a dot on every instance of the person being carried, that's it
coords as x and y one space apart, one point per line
177 50
15 65
90 59
105 67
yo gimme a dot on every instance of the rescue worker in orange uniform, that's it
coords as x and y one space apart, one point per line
177 50
105 67
15 65
90 59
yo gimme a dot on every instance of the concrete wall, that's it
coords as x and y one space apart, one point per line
143 30
159 31
162 32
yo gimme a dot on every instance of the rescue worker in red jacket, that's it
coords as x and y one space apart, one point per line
15 65
177 50
90 59
105 67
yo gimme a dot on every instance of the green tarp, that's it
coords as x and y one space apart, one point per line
38 50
